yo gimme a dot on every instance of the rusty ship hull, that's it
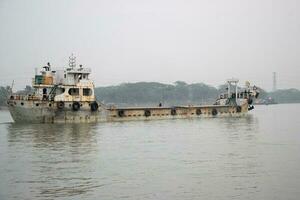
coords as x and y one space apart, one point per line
48 112
67 95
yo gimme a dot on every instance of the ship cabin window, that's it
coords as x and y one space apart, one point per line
85 76
74 91
87 92
60 91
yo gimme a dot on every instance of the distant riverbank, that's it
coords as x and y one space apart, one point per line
178 93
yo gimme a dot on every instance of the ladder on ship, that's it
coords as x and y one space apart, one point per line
52 93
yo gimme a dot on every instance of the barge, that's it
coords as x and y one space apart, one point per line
67 96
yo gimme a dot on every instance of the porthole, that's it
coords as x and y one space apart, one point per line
147 113
121 113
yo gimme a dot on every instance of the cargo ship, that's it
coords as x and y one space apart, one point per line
67 95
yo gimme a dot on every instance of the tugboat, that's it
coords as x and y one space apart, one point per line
67 96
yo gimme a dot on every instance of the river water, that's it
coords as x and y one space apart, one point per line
254 157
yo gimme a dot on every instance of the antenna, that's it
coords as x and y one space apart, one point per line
72 61
11 88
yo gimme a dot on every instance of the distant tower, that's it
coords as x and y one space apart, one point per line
274 81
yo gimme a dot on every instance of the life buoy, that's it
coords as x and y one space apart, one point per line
121 113
173 111
214 112
147 113
238 109
198 111
76 106
60 105
250 108
94 106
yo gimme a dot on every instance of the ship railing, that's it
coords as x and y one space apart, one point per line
28 97
240 95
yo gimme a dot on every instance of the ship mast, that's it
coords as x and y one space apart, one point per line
72 61
233 82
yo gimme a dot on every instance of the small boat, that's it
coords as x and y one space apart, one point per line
67 96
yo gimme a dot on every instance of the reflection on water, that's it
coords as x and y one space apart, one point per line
50 135
57 156
218 158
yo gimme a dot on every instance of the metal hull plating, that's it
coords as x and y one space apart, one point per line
68 96
48 112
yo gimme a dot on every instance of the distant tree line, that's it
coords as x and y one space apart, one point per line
286 96
4 92
153 93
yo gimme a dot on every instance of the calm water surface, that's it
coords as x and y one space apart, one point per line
255 157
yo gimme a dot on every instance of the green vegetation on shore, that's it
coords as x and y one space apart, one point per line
153 93
286 96
4 92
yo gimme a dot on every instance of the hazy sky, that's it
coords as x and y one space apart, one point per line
154 40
